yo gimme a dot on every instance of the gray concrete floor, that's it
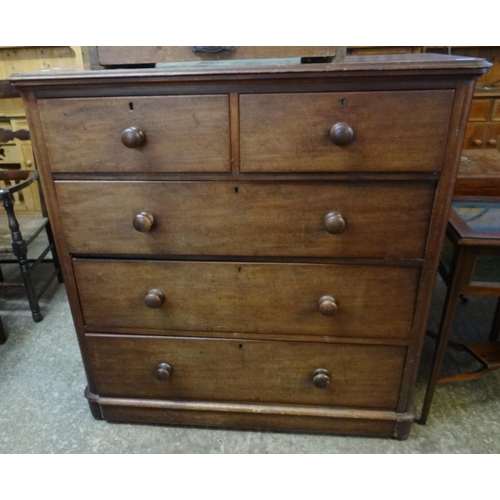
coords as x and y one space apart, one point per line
42 408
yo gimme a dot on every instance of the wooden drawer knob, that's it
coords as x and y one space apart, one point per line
477 142
154 299
133 137
321 378
327 305
334 222
163 371
341 134
143 222
491 142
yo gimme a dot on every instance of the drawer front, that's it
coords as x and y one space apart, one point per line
370 301
375 131
475 135
479 110
382 219
496 111
179 134
246 371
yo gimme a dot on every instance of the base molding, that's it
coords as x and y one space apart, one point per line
254 416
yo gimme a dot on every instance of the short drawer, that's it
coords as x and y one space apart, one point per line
247 371
370 219
344 131
137 134
479 110
304 299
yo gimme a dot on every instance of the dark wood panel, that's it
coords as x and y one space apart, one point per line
392 131
152 86
247 371
382 219
181 134
244 297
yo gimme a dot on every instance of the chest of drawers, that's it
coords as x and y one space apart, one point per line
252 246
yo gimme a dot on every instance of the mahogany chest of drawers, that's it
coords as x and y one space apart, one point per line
252 246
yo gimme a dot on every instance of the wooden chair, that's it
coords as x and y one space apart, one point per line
13 241
11 238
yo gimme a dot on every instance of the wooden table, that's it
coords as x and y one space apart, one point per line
474 230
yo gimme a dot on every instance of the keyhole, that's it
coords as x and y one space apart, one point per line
239 269
236 189
342 103
131 106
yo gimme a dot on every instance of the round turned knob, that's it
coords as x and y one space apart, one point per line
154 299
341 134
327 305
29 163
133 137
334 222
143 222
477 142
492 142
321 378
163 371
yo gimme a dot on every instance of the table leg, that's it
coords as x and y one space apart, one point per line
463 266
495 327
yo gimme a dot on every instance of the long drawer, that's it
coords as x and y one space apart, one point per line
344 131
305 299
365 219
343 375
137 134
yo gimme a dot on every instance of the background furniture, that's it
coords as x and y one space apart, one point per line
114 56
479 173
19 190
253 245
19 153
483 129
474 230
13 240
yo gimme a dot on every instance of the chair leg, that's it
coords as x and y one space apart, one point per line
495 327
29 286
50 237
20 250
3 334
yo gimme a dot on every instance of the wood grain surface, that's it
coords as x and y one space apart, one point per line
373 301
214 207
183 134
247 371
383 219
393 131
